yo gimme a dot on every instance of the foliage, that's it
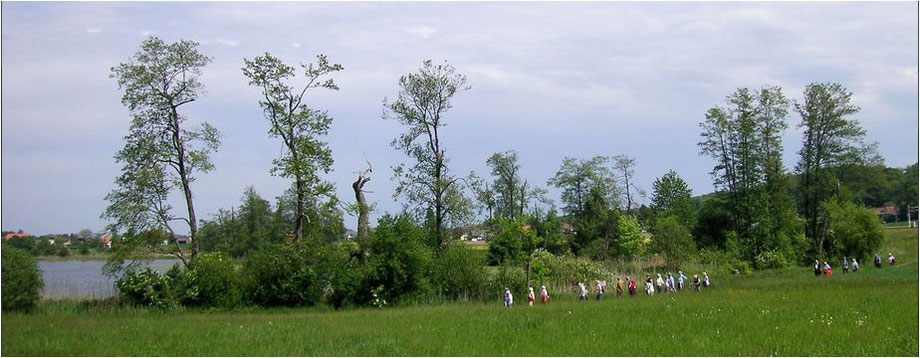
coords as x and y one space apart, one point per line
211 281
22 281
427 183
514 241
852 231
147 287
399 261
281 275
243 229
565 271
459 274
672 197
298 125
671 239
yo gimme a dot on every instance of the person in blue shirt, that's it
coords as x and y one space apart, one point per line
680 280
846 265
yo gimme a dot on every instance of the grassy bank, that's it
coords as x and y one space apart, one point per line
779 312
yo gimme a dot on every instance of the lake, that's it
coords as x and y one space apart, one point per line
83 279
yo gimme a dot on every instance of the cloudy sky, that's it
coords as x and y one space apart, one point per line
548 79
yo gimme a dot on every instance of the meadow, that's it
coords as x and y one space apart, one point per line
787 312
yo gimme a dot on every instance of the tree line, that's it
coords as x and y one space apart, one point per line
761 214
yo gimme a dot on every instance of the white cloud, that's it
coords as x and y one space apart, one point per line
295 44
424 32
94 30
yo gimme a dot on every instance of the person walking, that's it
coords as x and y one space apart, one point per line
649 285
659 284
890 259
877 260
621 286
680 280
854 265
509 299
632 286
582 292
846 265
817 268
530 296
544 296
670 283
695 284
705 280
599 290
827 269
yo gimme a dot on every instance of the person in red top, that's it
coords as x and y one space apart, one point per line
632 287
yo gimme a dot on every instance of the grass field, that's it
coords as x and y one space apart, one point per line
780 312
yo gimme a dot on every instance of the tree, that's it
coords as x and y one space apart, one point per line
671 239
298 125
22 280
507 183
161 153
745 140
589 191
514 242
361 202
427 184
484 195
830 138
672 197
241 230
86 234
626 167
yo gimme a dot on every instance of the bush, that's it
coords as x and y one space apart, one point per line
281 275
399 261
22 281
771 259
460 274
511 277
563 272
211 281
147 287
671 239
853 231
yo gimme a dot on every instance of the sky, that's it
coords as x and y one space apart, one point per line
548 80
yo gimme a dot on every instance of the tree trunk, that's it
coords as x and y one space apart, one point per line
298 217
186 188
358 185
528 271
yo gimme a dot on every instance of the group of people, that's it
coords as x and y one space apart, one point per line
627 285
850 264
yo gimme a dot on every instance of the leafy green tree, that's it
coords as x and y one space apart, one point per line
300 127
745 140
161 152
515 242
852 231
831 137
554 239
671 239
672 197
242 229
589 191
22 281
400 263
426 183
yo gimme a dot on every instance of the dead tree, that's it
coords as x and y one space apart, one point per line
358 186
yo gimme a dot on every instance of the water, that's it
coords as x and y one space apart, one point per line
83 279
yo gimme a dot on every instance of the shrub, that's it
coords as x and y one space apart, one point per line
399 260
281 275
22 281
460 274
211 281
853 231
671 239
770 260
511 277
146 287
564 271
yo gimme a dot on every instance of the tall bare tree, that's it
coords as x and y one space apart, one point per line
361 202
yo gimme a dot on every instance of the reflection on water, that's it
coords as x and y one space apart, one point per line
83 279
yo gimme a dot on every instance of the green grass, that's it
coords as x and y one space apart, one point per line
778 312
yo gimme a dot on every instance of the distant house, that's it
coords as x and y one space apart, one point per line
350 234
15 235
568 229
888 212
106 240
183 239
